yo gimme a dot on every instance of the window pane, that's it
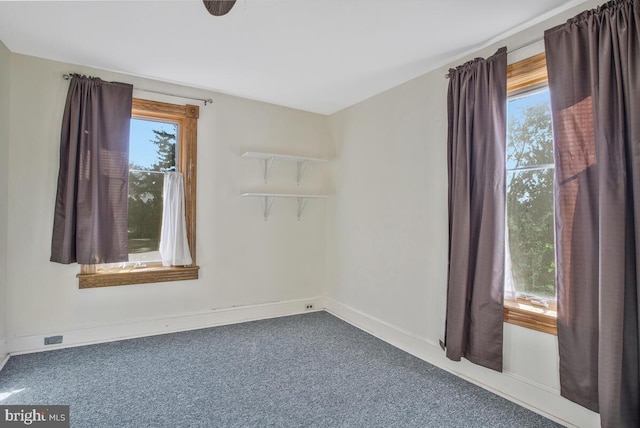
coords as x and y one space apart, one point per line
152 151
145 214
530 231
529 135
152 145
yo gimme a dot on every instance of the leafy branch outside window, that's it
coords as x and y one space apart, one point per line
530 197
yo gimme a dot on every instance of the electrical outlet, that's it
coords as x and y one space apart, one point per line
52 340
308 306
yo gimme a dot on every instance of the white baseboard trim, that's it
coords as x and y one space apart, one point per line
151 327
531 395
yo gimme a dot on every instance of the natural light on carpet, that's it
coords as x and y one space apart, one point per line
5 395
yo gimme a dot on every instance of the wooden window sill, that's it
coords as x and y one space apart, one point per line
531 316
138 276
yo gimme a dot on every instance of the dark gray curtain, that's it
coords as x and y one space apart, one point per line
90 223
476 150
594 76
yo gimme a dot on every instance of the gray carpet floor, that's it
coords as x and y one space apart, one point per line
310 370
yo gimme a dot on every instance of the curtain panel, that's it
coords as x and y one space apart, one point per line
90 220
174 245
476 166
593 62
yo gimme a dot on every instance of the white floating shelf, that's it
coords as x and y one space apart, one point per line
268 198
260 155
267 160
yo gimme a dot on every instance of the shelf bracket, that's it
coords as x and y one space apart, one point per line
302 203
266 166
267 203
268 198
302 166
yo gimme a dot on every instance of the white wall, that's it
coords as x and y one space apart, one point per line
244 260
5 61
388 234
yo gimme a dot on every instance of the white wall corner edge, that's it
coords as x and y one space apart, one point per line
4 352
110 333
517 389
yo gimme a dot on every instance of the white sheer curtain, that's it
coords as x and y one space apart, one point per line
509 284
174 247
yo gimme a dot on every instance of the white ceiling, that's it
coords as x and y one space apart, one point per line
314 55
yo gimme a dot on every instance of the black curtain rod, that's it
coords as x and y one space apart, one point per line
524 45
204 100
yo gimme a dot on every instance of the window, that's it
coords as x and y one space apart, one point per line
163 138
530 298
152 152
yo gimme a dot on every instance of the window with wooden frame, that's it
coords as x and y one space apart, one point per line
163 138
530 296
